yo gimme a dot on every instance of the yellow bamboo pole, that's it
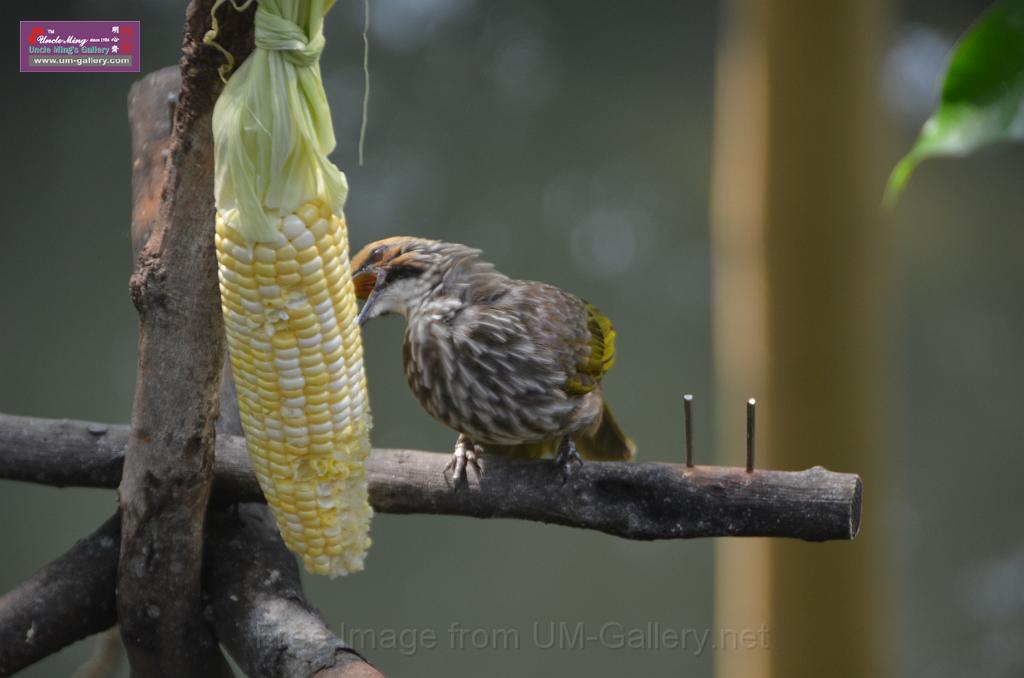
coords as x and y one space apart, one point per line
797 238
742 575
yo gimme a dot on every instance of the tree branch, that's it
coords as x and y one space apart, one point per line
65 601
258 609
631 500
251 584
168 468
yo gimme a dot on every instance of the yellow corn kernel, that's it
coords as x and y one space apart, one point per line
289 315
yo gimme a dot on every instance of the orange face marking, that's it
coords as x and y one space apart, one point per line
378 253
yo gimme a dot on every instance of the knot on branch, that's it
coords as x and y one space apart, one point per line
146 285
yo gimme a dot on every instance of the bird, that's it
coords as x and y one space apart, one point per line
513 366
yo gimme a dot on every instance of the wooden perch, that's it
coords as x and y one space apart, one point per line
65 601
631 500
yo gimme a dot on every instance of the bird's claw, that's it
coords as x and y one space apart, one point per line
566 456
466 453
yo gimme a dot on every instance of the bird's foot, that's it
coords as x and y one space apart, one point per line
466 452
567 456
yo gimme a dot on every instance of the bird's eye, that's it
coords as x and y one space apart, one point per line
377 254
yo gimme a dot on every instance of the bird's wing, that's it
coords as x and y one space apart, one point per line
544 336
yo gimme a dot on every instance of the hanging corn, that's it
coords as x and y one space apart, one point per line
287 296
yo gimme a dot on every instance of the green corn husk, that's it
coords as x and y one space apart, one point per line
272 126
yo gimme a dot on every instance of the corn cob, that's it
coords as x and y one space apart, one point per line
289 307
286 291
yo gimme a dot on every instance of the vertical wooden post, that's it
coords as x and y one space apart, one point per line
742 592
168 468
798 240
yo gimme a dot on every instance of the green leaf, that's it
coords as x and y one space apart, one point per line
982 96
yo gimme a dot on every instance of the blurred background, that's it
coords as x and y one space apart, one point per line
709 174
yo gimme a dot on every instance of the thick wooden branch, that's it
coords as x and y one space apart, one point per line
631 500
65 601
251 586
168 468
257 606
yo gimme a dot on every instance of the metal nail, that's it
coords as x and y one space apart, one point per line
688 423
751 404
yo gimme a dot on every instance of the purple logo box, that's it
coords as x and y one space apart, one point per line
80 47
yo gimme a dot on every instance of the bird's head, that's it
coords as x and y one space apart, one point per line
396 275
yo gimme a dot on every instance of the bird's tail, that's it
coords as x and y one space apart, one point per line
605 441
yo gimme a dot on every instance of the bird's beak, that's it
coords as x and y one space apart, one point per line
362 283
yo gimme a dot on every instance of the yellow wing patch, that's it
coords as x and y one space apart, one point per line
602 354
